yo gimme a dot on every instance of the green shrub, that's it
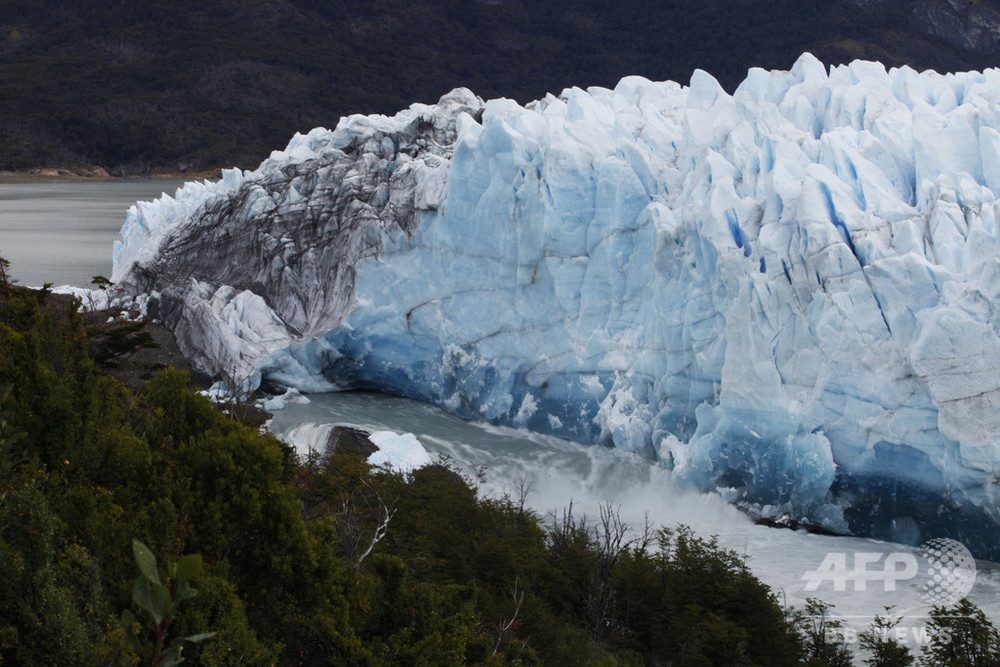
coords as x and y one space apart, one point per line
961 636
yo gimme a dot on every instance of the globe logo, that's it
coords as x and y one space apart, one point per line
951 571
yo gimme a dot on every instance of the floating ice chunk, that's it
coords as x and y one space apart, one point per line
281 401
399 451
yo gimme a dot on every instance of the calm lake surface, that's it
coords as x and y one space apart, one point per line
62 233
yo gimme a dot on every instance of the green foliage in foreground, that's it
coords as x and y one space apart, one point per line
160 597
326 561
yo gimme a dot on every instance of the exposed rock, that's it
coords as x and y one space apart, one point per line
346 439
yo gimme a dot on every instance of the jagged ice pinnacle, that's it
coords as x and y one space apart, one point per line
789 293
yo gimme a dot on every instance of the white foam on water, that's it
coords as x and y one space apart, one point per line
556 472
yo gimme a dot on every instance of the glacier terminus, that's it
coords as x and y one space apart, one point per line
790 294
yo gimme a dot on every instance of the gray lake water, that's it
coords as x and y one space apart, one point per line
62 233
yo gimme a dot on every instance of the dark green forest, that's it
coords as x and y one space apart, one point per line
145 86
144 525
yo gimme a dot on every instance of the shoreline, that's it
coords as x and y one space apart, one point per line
65 175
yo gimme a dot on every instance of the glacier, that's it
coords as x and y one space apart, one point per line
788 294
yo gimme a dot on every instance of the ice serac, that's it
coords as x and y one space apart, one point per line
791 293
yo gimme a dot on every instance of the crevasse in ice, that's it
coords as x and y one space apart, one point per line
790 292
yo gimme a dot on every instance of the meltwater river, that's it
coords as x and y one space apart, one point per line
63 233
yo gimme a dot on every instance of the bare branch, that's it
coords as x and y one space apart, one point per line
505 626
525 487
382 528
611 532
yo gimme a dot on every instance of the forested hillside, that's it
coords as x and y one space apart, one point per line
188 85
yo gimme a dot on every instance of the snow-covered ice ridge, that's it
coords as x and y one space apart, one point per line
790 293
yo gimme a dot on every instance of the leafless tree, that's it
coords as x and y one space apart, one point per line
505 626
609 538
385 516
525 487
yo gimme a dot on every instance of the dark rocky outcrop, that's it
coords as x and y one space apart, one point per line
346 439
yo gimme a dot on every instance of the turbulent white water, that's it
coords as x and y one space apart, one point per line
559 471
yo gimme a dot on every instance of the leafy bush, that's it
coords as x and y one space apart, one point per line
961 636
161 599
